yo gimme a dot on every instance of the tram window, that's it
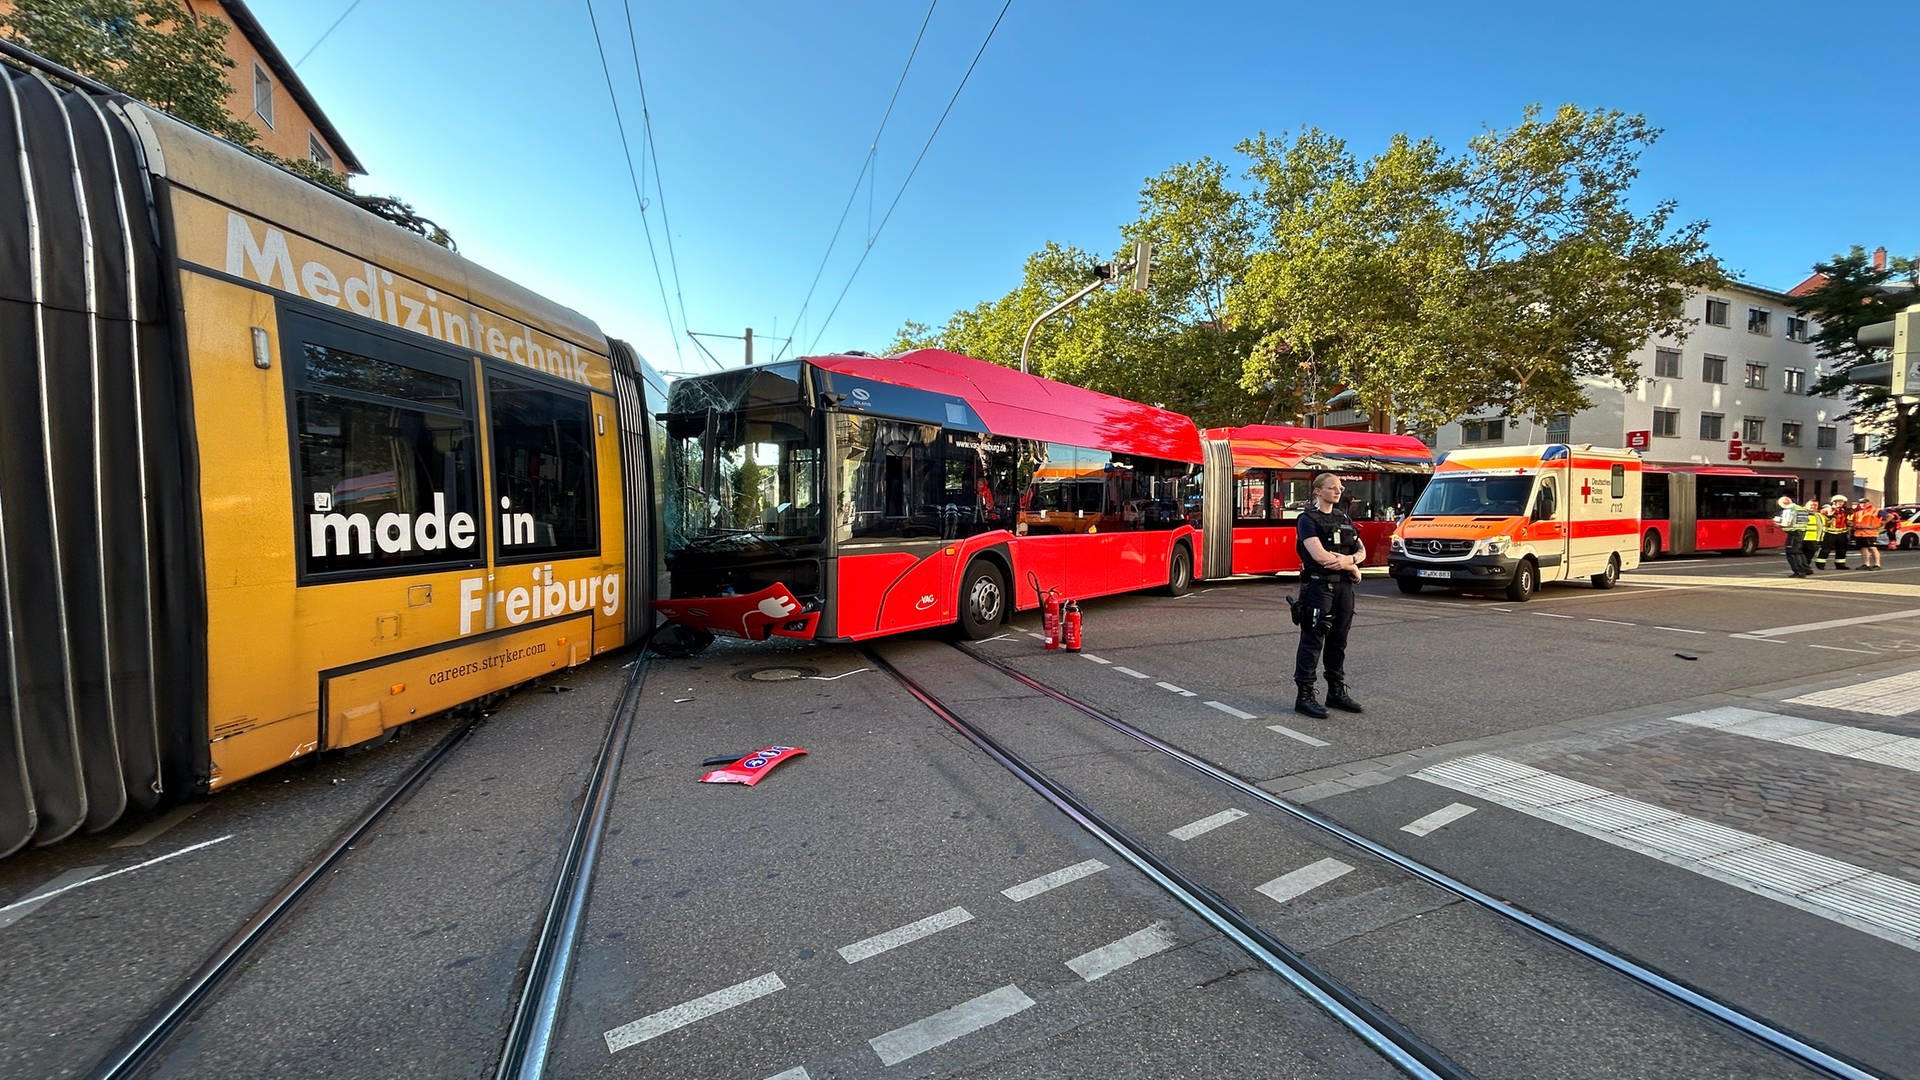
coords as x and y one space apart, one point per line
545 494
384 455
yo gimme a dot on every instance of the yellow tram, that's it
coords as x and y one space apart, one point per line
276 476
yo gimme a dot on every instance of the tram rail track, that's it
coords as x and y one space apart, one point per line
537 1000
1774 1039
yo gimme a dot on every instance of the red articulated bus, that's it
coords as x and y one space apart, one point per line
1259 478
841 498
1688 508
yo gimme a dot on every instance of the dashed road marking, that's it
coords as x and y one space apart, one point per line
1293 884
1446 815
1111 957
1300 735
1679 629
666 1020
1027 890
1551 615
1130 671
1206 824
943 1027
1886 907
1613 622
796 1073
1095 659
1230 710
1830 624
1172 689
905 935
1836 648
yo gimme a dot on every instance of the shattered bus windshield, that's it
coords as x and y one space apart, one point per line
743 465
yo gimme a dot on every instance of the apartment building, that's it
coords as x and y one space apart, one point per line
1736 391
267 94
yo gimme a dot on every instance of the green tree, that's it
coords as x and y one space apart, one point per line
154 50
1436 286
1853 294
161 53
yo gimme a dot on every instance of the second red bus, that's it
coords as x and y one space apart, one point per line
1684 509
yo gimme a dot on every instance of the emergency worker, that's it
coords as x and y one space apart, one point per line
1836 533
1866 533
1330 556
1810 538
1793 521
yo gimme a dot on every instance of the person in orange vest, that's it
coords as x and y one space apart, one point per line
1836 534
1866 533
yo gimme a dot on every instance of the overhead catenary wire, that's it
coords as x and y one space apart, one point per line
627 149
646 123
910 174
866 163
329 30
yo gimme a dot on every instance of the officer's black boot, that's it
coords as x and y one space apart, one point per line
1305 704
1338 698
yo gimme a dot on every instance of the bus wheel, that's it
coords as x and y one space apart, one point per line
983 600
1180 571
1749 542
1408 585
1650 547
1611 576
1526 578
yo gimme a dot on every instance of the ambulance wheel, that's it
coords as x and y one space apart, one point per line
1611 576
1525 579
1180 571
1650 547
983 600
1408 585
1750 543
1910 541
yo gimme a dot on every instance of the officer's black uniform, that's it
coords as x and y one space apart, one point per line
1326 601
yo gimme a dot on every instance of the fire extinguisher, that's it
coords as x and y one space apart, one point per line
1051 619
1070 626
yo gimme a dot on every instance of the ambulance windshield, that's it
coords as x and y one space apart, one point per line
1474 496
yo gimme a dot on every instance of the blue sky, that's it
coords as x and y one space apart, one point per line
1784 128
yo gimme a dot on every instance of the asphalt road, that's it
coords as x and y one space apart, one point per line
1712 768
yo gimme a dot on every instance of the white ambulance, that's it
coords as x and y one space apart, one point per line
1513 517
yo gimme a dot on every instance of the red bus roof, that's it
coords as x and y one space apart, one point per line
1272 446
1024 406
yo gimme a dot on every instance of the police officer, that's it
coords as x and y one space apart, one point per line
1330 557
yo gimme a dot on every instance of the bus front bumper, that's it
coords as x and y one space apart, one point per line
773 611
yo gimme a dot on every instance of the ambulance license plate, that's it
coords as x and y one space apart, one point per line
1443 575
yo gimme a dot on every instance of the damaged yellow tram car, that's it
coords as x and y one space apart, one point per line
276 475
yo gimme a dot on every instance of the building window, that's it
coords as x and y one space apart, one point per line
1796 381
1484 431
1826 438
1756 376
262 95
1716 313
1560 428
1754 429
1759 321
1790 433
1666 423
1666 363
1859 444
1713 369
317 152
1711 425
1796 328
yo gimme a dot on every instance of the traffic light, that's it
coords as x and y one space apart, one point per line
1901 371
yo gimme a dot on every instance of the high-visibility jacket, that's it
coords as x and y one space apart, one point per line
1836 521
1816 522
1866 521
